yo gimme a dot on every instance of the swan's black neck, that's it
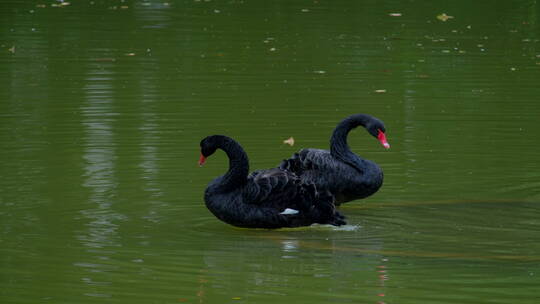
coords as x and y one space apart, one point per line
238 171
338 142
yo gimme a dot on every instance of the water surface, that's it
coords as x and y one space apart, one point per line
103 105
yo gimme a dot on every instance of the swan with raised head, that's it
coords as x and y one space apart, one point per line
272 198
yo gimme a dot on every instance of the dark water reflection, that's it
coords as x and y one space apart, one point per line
104 103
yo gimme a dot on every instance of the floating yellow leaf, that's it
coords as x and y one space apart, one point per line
395 14
444 17
380 91
130 54
289 141
236 298
12 50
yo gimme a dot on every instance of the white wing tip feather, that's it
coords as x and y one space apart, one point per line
288 211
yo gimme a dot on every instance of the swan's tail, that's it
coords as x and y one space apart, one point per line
321 206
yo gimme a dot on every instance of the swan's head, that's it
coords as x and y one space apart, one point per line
209 145
376 128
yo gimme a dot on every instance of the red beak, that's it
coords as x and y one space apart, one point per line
202 159
382 139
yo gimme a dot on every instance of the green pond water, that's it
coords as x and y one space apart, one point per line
103 105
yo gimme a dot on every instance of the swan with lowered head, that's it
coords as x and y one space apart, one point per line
346 175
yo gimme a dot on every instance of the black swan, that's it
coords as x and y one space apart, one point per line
269 199
347 176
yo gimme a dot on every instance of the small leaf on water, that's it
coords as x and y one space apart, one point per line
380 91
236 298
12 50
444 17
395 14
289 141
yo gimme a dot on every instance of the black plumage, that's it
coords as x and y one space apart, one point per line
272 198
346 175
